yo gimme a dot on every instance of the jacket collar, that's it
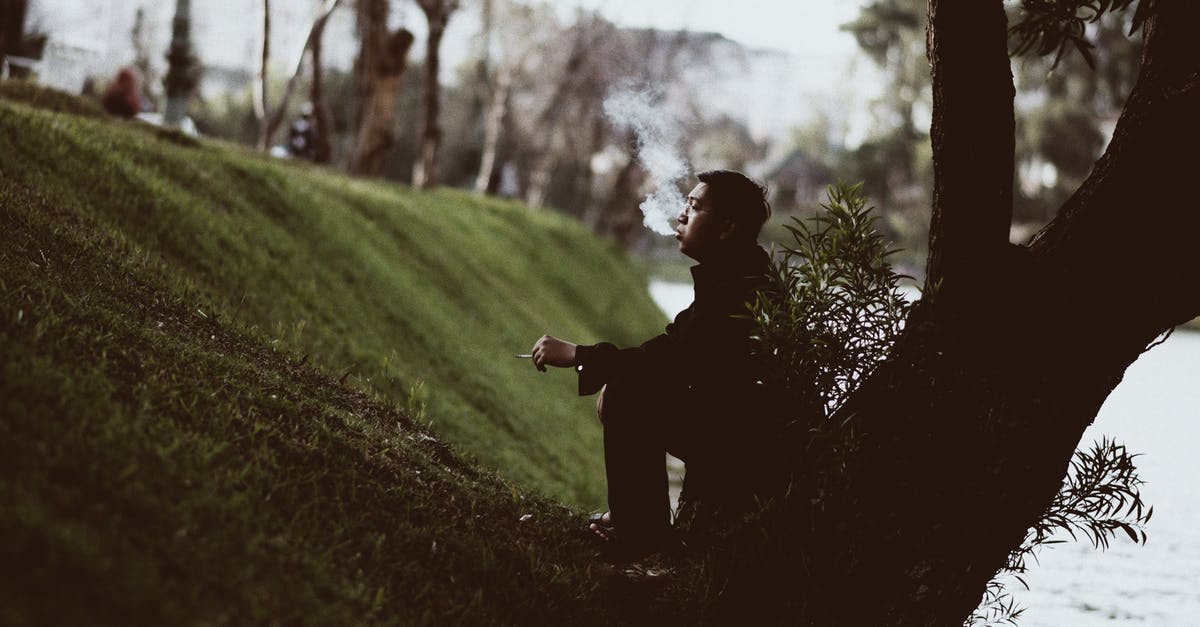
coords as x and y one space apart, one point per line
741 262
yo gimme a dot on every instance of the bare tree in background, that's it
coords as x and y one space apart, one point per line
261 85
140 38
525 34
659 64
313 40
595 61
382 58
437 14
322 124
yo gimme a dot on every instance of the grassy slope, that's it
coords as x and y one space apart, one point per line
167 456
395 286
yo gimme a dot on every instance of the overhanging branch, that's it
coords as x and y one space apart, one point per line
1136 209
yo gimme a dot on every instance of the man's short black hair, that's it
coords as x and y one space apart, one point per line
740 198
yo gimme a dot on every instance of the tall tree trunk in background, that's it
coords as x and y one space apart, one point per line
483 91
586 208
493 125
322 123
183 69
260 90
425 171
543 171
620 215
314 37
382 58
140 39
546 144
961 439
12 25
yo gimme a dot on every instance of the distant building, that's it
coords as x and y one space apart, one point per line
797 181
68 63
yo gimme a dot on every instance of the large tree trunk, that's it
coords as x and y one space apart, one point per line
955 446
425 171
378 69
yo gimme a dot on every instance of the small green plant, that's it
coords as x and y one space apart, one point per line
835 306
1099 500
829 315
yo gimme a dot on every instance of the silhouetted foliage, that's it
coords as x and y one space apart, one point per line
842 311
1051 26
843 306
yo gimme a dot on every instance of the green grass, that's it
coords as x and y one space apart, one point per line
211 367
399 289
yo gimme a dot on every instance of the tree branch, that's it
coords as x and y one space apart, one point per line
1145 172
973 139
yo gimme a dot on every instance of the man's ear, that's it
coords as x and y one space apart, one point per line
728 230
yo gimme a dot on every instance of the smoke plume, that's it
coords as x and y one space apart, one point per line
657 139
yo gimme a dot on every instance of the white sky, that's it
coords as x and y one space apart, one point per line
803 27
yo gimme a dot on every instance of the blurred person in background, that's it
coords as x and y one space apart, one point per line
122 97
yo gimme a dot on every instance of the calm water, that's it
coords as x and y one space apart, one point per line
1155 411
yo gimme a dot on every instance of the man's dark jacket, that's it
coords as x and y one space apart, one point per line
702 365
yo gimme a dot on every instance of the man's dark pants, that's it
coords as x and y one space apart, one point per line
710 428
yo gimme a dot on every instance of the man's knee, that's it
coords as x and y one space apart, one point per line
627 399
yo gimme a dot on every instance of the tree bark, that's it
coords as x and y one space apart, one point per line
955 446
425 171
973 137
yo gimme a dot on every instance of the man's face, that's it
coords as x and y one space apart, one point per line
700 230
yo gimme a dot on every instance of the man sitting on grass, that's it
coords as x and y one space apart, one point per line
692 391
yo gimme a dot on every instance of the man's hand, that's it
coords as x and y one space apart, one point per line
551 351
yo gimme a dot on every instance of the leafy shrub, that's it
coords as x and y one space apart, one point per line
1099 500
841 308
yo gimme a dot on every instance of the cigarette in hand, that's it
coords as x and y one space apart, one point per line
523 356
